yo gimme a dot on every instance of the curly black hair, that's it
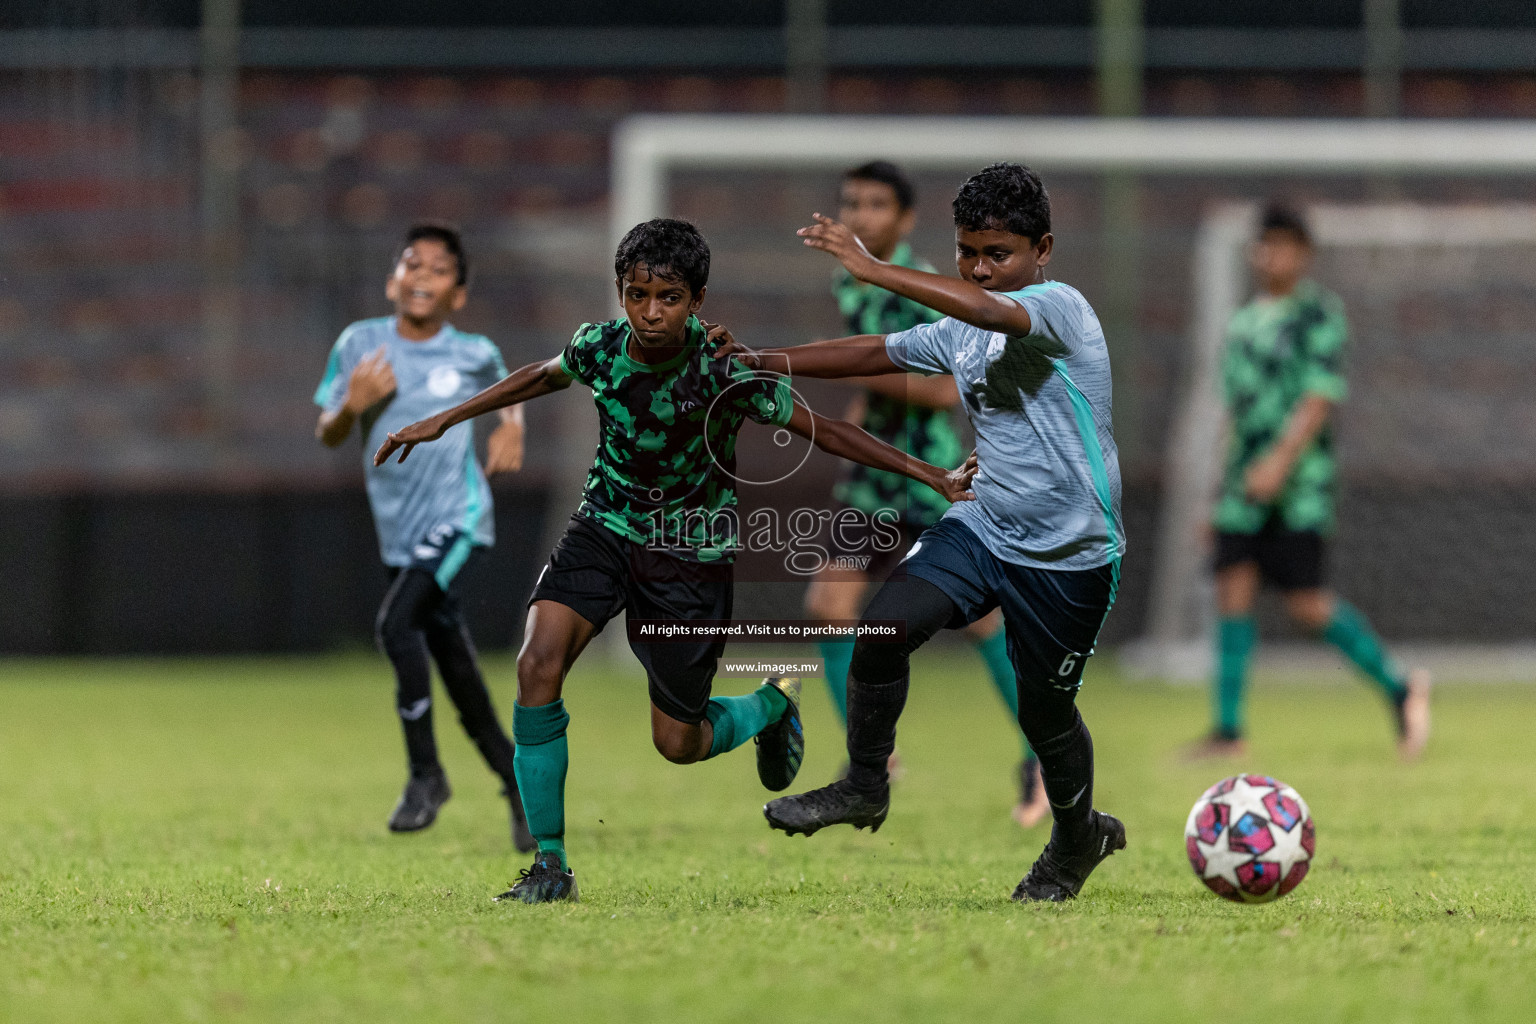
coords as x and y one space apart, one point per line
1280 217
446 234
670 249
1004 197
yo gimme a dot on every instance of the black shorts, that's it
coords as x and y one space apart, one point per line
596 573
1289 559
1052 616
855 541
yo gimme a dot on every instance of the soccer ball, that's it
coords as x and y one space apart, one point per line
1250 838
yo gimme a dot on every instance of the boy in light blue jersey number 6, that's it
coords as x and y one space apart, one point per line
1043 538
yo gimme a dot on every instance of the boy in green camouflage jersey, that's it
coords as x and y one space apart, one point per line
911 412
1282 374
655 533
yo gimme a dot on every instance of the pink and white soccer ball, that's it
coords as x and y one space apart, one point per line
1250 838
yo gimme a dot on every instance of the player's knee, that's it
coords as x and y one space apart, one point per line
830 603
678 746
539 671
1309 610
878 663
817 606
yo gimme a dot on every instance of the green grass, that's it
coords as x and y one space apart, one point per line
184 841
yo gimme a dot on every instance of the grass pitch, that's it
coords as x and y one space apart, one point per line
187 841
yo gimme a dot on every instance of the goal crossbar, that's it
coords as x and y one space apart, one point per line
647 148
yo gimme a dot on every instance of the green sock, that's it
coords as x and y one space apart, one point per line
994 651
836 656
541 761
1352 635
1235 638
737 719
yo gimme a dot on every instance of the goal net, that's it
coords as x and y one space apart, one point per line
1421 229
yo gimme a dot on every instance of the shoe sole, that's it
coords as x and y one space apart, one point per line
510 897
507 897
809 830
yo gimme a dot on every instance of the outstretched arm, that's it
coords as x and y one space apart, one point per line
914 389
862 355
843 439
530 381
951 296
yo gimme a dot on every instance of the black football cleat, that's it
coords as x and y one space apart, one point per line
1060 872
545 882
781 746
522 839
837 804
419 804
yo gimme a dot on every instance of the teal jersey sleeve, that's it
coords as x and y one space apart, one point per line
492 367
332 392
1055 318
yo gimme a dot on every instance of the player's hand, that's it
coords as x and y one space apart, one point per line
409 437
957 482
504 449
837 238
718 336
1265 478
730 348
371 381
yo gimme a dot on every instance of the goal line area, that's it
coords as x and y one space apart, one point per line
1423 228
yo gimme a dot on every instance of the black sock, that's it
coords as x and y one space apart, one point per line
874 707
454 652
1066 768
872 713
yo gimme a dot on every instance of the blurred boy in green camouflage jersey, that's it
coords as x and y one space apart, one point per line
912 413
1282 374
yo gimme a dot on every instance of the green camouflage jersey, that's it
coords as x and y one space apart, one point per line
1279 351
666 450
928 434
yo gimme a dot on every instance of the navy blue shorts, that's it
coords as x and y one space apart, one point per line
1052 616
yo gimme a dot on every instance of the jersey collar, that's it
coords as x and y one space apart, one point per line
441 335
696 336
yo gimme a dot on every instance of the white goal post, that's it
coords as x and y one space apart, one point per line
647 150
1182 608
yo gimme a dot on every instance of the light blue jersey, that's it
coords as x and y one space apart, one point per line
1048 493
441 488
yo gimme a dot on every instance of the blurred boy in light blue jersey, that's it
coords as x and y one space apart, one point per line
434 514
912 413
